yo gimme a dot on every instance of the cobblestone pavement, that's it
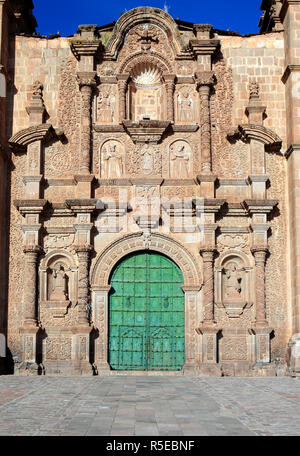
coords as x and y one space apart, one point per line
149 406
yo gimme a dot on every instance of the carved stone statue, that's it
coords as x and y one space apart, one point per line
180 162
185 107
106 109
114 162
233 279
60 288
37 88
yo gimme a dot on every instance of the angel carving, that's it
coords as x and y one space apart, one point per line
146 37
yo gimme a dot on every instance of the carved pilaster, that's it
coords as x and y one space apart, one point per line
208 255
260 255
170 88
122 89
205 81
87 82
30 285
83 253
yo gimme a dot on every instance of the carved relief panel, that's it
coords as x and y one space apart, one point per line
234 283
105 107
112 160
186 105
180 160
145 160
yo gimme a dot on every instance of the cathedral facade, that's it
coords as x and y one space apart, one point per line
150 183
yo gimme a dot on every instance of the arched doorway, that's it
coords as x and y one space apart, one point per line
146 314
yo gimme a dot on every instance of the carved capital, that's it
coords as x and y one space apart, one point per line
87 248
32 250
205 79
260 254
208 254
86 78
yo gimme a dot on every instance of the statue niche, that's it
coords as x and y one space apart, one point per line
58 282
112 160
146 93
233 284
180 154
59 288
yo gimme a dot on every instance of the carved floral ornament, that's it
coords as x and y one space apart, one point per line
234 278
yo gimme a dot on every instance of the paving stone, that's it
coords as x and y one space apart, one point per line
219 407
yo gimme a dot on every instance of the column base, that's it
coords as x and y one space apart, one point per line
189 369
209 370
294 356
27 368
68 368
209 332
101 368
262 343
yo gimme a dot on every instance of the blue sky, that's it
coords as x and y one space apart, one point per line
65 15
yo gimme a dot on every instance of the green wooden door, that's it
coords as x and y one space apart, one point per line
146 314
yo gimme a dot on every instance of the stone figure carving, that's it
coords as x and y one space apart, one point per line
106 108
254 88
185 103
233 280
113 158
146 37
60 287
180 158
37 89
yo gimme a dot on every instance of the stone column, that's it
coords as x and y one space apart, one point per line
205 81
30 326
208 328
261 330
30 285
260 255
83 253
170 87
122 90
87 82
100 299
208 255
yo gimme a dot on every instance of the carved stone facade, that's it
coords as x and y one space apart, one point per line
152 135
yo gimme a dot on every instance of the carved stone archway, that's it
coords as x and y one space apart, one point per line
100 276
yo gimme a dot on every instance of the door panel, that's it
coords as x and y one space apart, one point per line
146 314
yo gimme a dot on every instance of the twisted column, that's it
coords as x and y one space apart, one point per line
122 89
208 255
83 253
205 82
170 88
87 82
30 285
260 255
